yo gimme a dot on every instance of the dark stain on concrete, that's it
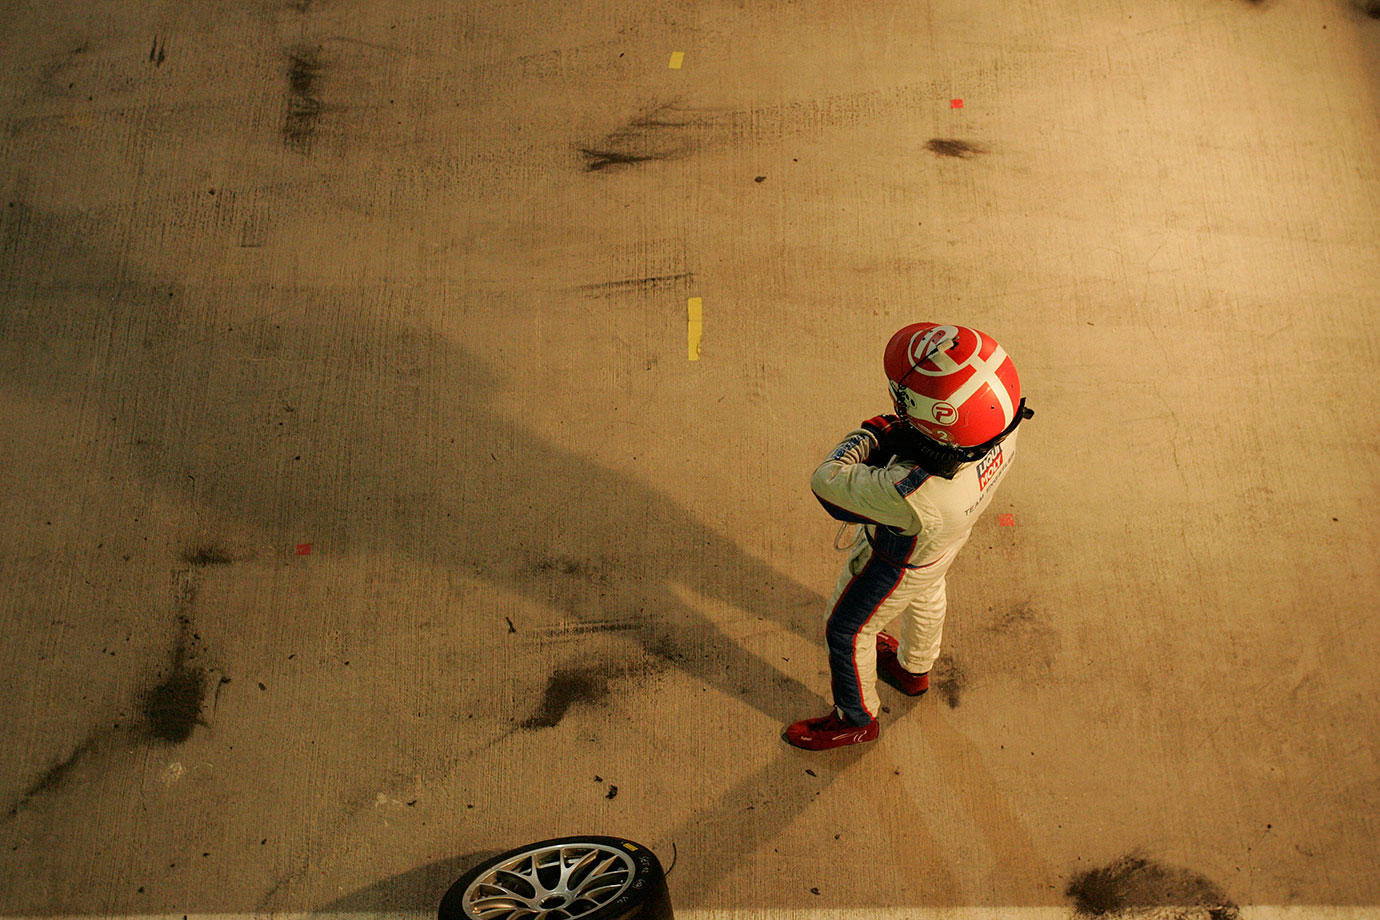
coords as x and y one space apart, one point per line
1021 640
1015 619
948 147
591 570
666 650
205 555
568 688
1371 8
949 678
304 107
1132 884
157 54
173 707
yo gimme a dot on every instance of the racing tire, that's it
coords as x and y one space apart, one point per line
566 878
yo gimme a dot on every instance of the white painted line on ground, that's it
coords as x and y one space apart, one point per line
1024 913
1248 912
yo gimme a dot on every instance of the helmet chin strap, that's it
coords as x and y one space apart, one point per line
945 461
936 459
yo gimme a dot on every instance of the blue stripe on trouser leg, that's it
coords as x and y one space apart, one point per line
857 604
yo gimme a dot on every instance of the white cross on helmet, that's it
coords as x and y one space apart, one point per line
954 384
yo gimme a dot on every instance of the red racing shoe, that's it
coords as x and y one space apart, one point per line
829 732
903 680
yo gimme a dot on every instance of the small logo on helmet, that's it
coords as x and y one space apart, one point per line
930 343
900 395
943 413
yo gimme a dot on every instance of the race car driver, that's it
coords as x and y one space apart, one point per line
916 482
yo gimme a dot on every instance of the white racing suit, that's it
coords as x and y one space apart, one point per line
913 526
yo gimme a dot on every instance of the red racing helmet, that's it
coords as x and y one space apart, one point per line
955 385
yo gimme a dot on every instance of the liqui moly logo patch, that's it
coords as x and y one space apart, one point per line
988 466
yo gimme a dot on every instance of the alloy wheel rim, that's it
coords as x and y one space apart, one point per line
560 882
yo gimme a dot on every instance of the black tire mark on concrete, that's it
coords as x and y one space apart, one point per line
653 283
950 147
1133 884
207 554
55 776
660 134
304 107
670 130
597 160
572 631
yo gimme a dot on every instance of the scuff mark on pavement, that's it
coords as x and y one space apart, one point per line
304 107
948 147
55 776
1134 884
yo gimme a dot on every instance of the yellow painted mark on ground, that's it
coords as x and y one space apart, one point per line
696 327
677 57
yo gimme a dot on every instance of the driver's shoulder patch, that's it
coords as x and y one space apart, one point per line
912 481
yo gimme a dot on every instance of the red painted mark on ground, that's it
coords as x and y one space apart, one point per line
955 103
304 549
1006 520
